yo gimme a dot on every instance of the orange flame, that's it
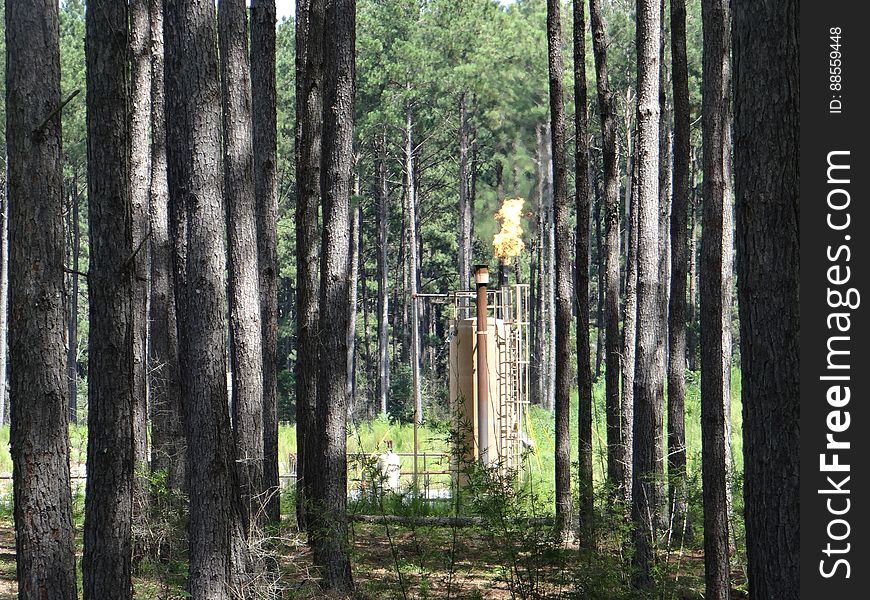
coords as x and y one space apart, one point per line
508 242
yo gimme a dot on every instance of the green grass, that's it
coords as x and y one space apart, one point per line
369 437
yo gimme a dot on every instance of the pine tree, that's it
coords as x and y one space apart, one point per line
648 384
106 561
767 143
39 444
218 555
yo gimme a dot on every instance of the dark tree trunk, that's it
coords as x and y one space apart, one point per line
715 297
648 385
263 102
679 270
73 324
586 508
618 450
766 174
218 556
246 357
309 114
140 184
106 561
664 257
329 529
562 270
45 557
383 226
168 446
4 298
534 329
599 309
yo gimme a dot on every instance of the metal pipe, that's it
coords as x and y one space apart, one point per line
481 277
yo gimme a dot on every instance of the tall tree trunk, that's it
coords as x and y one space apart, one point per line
550 268
586 508
413 265
767 190
45 555
369 365
330 524
562 270
664 251
246 357
263 103
539 366
309 115
618 451
648 385
629 323
218 555
715 297
73 324
168 446
353 275
679 268
140 184
534 335
383 227
106 561
465 208
4 296
599 310
692 333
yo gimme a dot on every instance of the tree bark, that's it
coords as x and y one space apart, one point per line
599 309
618 451
246 356
353 302
309 114
45 555
767 183
411 182
218 556
692 334
679 232
140 184
629 323
715 297
106 561
263 103
330 517
4 297
663 253
383 226
562 270
648 385
73 324
168 446
586 508
538 368
550 274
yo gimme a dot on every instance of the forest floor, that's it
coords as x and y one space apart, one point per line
434 562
